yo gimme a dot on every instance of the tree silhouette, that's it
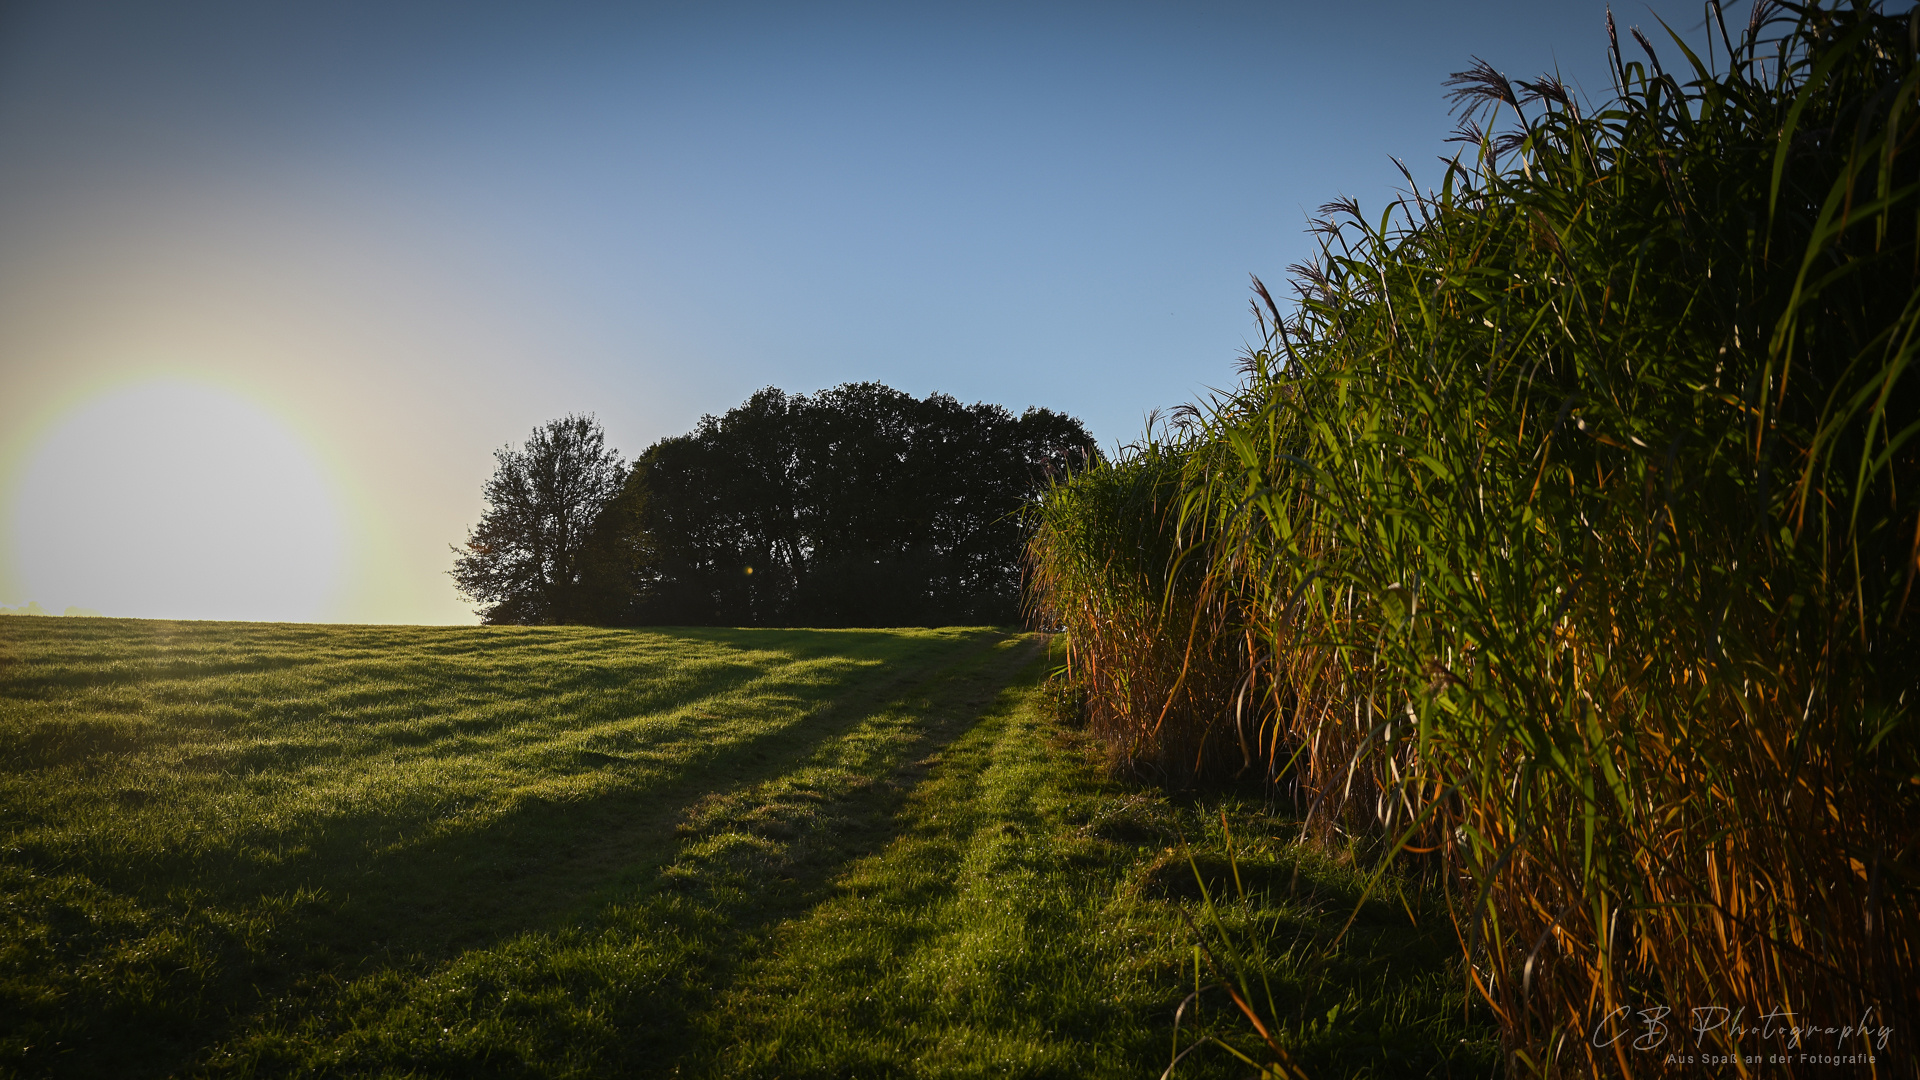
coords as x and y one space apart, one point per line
856 506
536 554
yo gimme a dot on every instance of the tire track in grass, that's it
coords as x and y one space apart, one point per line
1028 921
972 945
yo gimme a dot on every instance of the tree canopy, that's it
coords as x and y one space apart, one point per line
855 506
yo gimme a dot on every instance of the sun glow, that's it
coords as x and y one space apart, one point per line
175 499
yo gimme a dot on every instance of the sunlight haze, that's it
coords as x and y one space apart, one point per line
172 500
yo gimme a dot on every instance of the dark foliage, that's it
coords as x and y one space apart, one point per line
530 560
855 506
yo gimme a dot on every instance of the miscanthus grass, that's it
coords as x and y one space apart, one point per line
1562 536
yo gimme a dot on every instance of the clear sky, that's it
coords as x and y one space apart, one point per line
276 278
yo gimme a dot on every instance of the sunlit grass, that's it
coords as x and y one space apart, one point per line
234 849
208 824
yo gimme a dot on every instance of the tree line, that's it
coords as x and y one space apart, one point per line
854 506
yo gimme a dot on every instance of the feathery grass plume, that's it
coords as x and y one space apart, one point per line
1570 523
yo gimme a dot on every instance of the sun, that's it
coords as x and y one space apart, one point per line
180 500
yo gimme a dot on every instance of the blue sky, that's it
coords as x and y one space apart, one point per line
409 232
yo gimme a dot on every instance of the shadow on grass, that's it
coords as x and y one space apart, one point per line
549 863
350 910
40 658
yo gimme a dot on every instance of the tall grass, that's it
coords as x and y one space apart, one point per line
1568 522
1154 659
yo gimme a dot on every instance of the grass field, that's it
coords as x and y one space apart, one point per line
257 849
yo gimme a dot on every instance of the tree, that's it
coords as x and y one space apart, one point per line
713 517
538 549
856 506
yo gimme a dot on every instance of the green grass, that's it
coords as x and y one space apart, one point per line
241 849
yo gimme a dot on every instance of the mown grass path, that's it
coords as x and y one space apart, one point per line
243 849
